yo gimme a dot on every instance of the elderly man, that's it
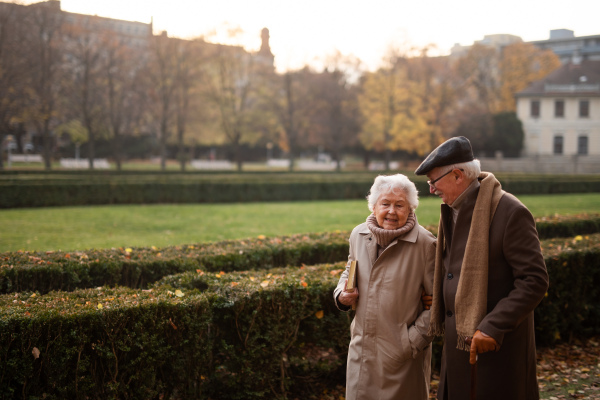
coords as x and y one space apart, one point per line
489 276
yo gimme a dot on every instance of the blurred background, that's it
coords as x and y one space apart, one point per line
198 86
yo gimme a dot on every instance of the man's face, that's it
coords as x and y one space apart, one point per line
446 183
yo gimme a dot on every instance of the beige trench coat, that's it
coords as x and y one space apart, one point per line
389 356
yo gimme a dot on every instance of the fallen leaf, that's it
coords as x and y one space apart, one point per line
264 283
179 293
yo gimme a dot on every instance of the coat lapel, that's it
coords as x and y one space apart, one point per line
371 244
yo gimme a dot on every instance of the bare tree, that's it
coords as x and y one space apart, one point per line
163 72
44 40
13 71
124 69
287 98
84 47
336 116
189 57
229 77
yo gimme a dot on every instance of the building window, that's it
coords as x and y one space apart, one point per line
582 145
535 108
584 108
558 144
559 108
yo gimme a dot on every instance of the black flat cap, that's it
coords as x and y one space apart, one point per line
453 151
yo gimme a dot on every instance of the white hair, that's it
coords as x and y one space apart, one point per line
393 183
471 169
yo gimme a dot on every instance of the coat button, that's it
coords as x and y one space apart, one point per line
450 276
448 313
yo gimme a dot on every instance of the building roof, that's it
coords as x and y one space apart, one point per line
572 79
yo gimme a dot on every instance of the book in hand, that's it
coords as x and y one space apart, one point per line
351 284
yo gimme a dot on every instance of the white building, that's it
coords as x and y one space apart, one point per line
561 113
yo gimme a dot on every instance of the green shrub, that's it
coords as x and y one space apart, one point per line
138 267
570 308
60 188
257 334
242 337
559 226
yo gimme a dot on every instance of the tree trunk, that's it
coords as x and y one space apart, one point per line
117 150
181 152
47 143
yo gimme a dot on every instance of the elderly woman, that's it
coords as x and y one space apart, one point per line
390 354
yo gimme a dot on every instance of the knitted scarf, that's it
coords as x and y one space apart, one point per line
471 294
386 236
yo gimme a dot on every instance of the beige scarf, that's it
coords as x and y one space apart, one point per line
471 294
384 237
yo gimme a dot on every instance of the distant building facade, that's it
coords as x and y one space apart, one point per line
562 42
497 41
561 113
566 45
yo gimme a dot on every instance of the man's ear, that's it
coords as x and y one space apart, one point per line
459 176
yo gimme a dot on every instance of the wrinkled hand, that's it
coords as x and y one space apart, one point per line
426 299
481 343
348 298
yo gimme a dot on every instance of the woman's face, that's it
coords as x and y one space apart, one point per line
391 210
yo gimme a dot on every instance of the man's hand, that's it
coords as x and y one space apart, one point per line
348 298
481 343
426 299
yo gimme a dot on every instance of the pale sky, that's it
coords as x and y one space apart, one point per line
305 31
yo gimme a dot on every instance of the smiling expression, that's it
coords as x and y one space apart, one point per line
391 210
449 187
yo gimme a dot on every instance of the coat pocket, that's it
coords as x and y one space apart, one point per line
394 347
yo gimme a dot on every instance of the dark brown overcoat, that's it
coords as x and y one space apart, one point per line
517 282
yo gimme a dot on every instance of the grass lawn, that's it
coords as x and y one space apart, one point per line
80 228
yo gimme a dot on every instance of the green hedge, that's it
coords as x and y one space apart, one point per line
242 335
235 338
86 188
572 305
137 267
567 226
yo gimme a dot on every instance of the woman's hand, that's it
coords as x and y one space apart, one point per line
426 299
348 298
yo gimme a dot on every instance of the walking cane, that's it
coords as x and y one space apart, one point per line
474 381
473 395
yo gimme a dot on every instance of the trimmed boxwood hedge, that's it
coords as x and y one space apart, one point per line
137 267
222 320
235 336
241 335
60 188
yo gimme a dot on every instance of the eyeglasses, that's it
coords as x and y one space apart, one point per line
432 183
